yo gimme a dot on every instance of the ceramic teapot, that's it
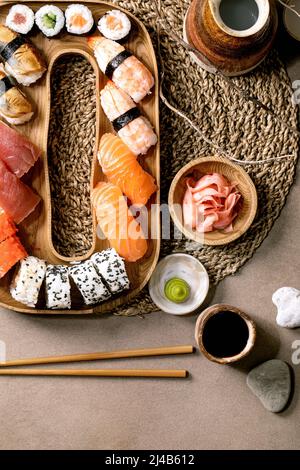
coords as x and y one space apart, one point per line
234 35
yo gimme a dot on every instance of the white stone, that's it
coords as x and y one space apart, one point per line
287 301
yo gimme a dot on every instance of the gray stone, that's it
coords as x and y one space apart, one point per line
271 383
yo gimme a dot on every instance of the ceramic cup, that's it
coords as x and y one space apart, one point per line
203 335
234 35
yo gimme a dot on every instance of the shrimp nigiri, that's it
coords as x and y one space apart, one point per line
135 130
121 167
117 222
123 68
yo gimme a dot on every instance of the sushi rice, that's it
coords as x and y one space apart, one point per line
58 288
111 268
50 20
26 285
114 25
20 18
79 19
90 284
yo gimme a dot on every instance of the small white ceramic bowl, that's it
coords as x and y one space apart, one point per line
185 267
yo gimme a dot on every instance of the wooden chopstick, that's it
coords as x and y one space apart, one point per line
171 350
98 372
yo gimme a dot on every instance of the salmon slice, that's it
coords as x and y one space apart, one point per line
16 151
7 226
11 251
16 198
121 168
117 222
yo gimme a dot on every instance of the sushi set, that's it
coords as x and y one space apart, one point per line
34 276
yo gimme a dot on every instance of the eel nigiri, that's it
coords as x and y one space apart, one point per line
16 151
123 68
117 222
20 56
14 106
17 199
121 167
135 130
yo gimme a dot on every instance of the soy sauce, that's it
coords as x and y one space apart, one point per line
225 334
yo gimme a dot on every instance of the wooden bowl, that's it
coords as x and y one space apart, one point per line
213 310
233 173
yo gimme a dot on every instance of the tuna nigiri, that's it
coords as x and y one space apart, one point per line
16 151
121 167
123 68
17 199
133 128
117 222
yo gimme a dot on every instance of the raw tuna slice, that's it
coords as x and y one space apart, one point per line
17 199
16 151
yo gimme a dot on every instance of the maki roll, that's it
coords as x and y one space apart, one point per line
115 25
89 283
50 20
15 108
79 19
58 288
20 18
20 56
112 269
27 283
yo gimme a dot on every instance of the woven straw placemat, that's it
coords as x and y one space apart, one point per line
231 122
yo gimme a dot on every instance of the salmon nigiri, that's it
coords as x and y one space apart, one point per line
121 167
117 222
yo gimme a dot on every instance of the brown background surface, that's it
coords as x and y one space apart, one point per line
213 409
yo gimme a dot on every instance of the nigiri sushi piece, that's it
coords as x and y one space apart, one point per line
89 283
16 198
122 67
21 58
111 268
26 285
121 167
15 108
115 25
20 18
58 287
16 151
11 251
7 226
117 222
135 130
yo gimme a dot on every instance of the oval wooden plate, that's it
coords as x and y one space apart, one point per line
233 173
35 231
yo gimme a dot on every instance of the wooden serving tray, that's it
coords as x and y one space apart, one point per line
35 231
